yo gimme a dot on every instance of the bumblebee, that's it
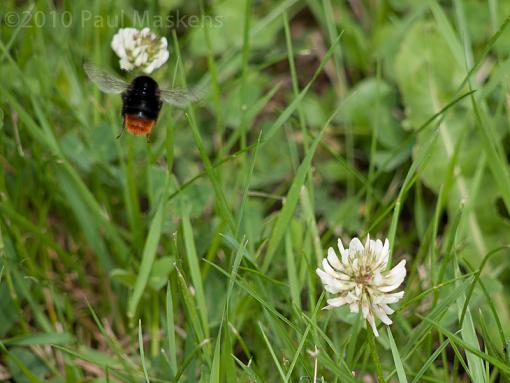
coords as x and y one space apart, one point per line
142 99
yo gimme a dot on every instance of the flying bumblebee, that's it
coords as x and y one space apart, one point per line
142 99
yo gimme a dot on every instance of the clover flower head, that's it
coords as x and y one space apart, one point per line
359 279
140 49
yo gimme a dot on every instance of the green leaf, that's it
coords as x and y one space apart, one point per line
126 277
225 26
160 271
364 96
425 61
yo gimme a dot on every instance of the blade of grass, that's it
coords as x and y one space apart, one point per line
468 333
375 356
309 214
148 257
245 57
273 355
142 353
39 339
255 295
19 363
211 173
295 82
291 200
502 366
228 361
113 344
493 150
215 370
213 71
194 268
285 115
244 198
170 329
195 321
402 378
430 360
304 337
191 356
421 160
292 274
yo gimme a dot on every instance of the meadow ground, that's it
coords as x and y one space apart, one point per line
193 257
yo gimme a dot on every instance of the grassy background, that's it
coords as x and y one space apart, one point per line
193 257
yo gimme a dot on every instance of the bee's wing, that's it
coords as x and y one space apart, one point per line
180 97
104 80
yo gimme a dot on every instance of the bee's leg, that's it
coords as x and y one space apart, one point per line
121 131
148 136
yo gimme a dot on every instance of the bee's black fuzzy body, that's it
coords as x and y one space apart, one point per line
142 99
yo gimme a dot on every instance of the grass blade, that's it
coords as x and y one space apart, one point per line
170 329
142 354
291 201
273 355
194 268
402 378
148 257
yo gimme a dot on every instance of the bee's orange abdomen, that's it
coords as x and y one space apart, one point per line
138 126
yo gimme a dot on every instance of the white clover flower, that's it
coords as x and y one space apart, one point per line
140 49
359 279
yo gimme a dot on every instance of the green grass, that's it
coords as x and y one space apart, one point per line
193 258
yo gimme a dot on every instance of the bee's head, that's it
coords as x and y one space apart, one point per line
144 84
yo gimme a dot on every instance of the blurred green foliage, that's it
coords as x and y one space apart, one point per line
210 235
